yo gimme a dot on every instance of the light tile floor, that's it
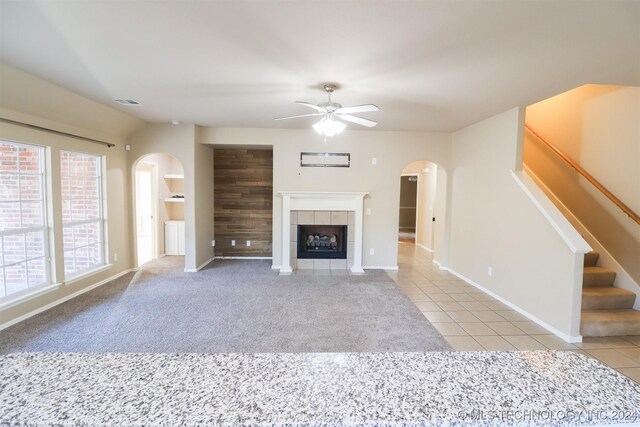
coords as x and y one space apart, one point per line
472 320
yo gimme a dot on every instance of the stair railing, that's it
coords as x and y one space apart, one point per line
634 216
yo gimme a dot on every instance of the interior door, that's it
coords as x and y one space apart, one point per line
145 221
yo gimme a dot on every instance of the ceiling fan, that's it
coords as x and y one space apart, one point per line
330 111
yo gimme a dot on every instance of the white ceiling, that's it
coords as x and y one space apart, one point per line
429 65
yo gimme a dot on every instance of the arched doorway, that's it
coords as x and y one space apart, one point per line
422 208
159 207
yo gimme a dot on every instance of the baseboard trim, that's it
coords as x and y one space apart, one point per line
440 266
548 327
200 267
243 257
420 245
276 267
64 299
380 267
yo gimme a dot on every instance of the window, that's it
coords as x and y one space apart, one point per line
82 213
24 259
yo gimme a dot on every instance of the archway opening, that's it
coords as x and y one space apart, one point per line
422 209
159 207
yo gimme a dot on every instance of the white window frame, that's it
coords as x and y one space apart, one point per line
35 289
78 274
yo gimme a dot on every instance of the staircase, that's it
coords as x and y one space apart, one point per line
606 311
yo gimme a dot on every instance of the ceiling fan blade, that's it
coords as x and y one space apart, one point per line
358 109
358 120
310 105
301 115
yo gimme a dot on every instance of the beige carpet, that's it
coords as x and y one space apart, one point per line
231 306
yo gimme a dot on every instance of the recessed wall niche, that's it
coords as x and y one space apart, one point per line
243 205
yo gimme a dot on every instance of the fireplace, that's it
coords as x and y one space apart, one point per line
321 201
322 241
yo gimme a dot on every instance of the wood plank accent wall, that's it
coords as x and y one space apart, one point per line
243 207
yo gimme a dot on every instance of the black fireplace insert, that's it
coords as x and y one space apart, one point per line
322 241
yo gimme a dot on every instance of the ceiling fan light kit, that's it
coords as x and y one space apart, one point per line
329 127
332 113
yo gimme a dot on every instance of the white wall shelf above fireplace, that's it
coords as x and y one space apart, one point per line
322 201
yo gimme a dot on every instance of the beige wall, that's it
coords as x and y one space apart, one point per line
179 141
426 211
26 98
494 224
204 208
442 213
599 128
393 150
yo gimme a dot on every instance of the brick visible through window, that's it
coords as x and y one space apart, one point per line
82 216
23 238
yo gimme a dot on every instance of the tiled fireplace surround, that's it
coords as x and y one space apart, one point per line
322 207
322 218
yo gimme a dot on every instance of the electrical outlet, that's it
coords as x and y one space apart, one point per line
368 211
490 271
213 243
115 257
233 243
248 242
374 161
371 251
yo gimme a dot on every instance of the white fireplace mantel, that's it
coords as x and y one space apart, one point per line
322 201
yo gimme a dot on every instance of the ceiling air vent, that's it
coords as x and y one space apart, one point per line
127 102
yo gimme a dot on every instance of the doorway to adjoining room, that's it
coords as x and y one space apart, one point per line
159 207
417 204
408 208
146 211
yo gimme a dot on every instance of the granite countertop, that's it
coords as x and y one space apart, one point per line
434 388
